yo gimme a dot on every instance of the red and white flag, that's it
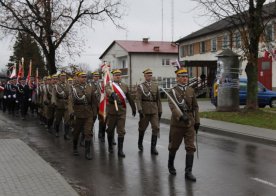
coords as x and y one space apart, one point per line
29 74
120 93
13 73
104 100
20 73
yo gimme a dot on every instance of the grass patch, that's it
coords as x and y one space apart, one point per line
269 109
258 118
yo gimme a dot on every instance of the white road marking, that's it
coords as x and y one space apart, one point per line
159 146
264 182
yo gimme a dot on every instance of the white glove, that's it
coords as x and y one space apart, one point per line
9 96
30 99
16 101
14 96
5 97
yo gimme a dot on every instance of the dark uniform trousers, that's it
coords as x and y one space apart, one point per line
153 120
116 121
84 124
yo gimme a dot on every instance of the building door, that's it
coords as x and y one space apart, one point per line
265 71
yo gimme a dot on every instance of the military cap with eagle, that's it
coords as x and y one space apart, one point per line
116 72
181 72
147 71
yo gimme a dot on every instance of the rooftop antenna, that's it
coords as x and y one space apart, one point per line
172 18
162 19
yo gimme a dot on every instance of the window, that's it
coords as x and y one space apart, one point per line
269 34
124 64
182 51
168 83
238 40
191 49
202 47
165 61
214 44
225 41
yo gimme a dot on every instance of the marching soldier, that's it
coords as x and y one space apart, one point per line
97 85
60 93
83 107
150 109
184 122
23 97
116 118
49 107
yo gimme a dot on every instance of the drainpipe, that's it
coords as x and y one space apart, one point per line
130 71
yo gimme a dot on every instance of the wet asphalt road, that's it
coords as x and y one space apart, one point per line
226 166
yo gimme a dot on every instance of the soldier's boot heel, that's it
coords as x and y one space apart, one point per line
140 141
120 147
103 133
189 166
82 140
57 130
66 132
110 145
153 145
88 155
171 168
75 148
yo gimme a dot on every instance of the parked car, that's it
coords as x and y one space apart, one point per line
265 96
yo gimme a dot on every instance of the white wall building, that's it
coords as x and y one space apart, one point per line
132 57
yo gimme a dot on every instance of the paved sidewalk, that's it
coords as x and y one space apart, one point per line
24 173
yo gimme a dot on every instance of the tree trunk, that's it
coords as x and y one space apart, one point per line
252 85
51 62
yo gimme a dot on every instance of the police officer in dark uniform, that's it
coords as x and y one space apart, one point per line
184 122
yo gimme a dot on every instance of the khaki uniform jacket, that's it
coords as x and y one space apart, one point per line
97 87
148 98
183 96
121 110
47 95
60 94
82 101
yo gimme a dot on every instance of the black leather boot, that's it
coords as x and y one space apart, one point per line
171 163
103 132
140 141
189 167
153 145
75 147
87 150
100 130
56 130
82 140
66 132
113 141
120 147
110 145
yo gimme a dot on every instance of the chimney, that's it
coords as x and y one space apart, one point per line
156 48
146 40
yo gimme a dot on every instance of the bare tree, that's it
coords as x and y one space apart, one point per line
249 18
55 24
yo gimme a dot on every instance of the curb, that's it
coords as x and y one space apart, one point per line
234 134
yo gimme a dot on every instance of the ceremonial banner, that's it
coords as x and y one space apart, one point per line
120 93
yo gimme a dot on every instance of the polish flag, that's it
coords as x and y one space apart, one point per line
120 93
29 74
104 100
13 74
20 73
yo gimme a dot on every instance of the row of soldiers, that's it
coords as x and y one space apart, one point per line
77 100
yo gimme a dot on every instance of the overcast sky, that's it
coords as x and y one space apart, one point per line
143 20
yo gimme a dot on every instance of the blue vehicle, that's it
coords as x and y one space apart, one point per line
265 96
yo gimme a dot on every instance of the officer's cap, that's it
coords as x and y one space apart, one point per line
116 72
81 74
70 79
147 71
62 74
55 76
96 73
181 72
49 77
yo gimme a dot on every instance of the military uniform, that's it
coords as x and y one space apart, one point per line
184 121
83 105
60 93
150 109
23 98
49 108
117 119
102 124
